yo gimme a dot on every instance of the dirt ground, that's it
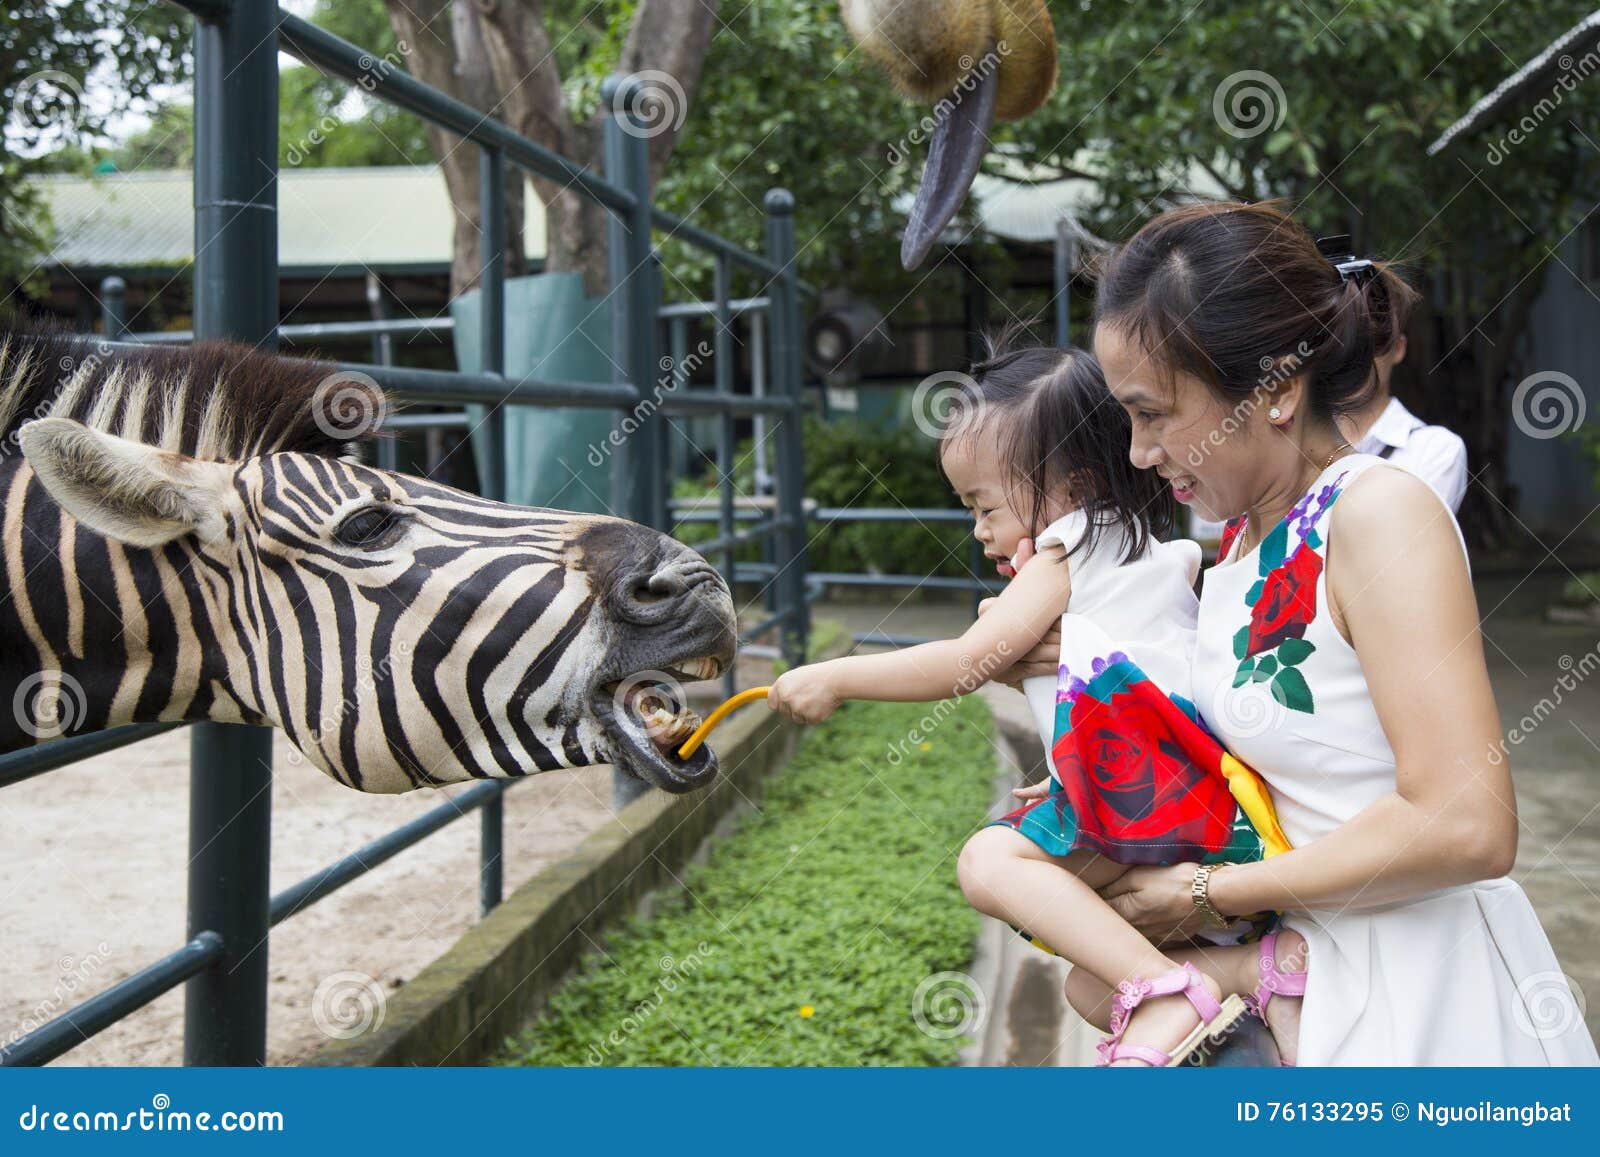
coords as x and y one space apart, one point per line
95 880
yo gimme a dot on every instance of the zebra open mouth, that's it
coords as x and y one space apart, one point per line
646 723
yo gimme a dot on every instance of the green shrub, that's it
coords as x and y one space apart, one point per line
810 928
852 464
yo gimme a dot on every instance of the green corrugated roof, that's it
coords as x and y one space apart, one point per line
375 217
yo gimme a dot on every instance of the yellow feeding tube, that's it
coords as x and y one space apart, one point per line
692 744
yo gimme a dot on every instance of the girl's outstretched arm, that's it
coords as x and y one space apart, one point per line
1029 606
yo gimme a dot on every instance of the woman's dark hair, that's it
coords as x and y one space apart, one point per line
1061 433
1240 297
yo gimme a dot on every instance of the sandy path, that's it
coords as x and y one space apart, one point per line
94 887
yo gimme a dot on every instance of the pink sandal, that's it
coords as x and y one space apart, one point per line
1274 981
1215 1018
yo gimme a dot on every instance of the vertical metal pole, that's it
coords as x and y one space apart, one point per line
114 307
683 446
722 356
1066 260
636 481
236 296
388 449
492 337
785 292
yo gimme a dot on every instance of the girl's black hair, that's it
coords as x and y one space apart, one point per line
1062 433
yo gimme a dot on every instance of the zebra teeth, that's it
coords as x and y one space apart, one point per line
703 667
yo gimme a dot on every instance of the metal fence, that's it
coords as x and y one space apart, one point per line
230 909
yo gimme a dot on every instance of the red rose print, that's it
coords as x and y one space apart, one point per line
1141 786
1287 604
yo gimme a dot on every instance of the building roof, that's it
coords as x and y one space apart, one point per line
1539 72
375 218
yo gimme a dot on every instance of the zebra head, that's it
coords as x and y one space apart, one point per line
402 633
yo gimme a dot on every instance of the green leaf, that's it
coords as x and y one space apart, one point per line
1292 651
1241 641
1273 547
1279 142
1290 689
1242 675
1267 665
1254 596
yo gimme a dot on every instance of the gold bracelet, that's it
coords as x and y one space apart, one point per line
1199 893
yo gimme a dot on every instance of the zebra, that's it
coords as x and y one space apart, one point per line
189 534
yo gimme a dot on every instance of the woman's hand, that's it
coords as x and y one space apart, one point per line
1156 901
805 694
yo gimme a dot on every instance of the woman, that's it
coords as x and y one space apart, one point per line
1338 653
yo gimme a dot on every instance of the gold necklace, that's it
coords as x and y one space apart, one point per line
1244 539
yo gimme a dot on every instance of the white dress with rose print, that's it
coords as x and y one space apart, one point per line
1461 976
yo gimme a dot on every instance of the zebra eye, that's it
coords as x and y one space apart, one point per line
370 527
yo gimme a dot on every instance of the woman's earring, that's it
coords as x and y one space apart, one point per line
1274 413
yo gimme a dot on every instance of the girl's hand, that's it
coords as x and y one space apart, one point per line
805 694
1033 790
1156 901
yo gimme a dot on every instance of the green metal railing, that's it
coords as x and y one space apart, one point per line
230 909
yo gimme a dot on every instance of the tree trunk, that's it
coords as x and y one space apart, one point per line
445 49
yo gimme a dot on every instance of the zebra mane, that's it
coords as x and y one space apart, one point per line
217 400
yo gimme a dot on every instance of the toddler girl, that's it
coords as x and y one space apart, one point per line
1037 441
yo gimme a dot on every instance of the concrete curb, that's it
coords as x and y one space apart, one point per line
460 1008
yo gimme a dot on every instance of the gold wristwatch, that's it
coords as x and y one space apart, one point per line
1202 901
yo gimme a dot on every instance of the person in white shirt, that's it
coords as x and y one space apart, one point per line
1386 428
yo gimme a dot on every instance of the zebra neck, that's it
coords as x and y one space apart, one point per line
95 634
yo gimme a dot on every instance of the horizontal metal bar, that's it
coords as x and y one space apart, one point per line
890 514
443 387
739 538
390 82
318 331
736 305
408 421
884 639
73 1027
760 571
298 897
833 514
675 226
699 401
20 765
762 628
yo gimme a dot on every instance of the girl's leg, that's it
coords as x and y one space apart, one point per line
1008 876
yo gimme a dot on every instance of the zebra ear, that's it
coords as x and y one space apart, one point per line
127 491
